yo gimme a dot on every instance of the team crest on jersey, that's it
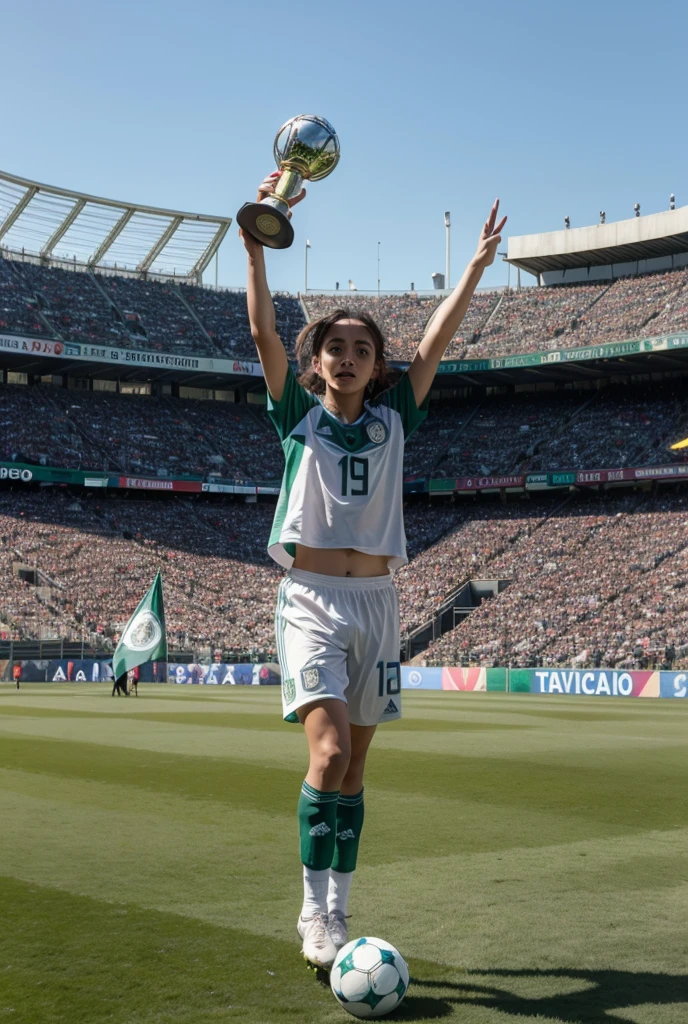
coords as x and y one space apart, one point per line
310 678
289 689
377 432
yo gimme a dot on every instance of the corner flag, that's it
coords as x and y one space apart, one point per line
144 638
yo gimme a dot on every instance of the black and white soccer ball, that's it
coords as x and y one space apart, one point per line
369 977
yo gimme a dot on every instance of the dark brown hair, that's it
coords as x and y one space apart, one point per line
310 342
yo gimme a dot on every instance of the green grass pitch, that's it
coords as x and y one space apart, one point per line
528 855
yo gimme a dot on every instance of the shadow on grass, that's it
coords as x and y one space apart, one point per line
606 991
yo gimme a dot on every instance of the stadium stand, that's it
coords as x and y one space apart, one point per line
131 313
597 579
571 316
72 306
18 310
593 578
225 318
136 434
403 318
597 583
530 431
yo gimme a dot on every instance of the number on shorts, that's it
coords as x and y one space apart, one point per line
389 678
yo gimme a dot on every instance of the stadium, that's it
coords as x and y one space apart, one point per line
537 828
134 434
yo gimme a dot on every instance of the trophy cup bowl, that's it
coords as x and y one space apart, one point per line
306 149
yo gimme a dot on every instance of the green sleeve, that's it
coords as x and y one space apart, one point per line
402 399
292 406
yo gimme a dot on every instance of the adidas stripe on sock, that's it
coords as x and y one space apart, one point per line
317 827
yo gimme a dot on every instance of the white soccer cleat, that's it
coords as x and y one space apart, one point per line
318 946
337 928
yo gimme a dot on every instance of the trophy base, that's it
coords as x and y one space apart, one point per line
266 224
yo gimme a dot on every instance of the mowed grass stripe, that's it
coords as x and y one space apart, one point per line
612 786
539 908
248 720
539 927
183 795
171 969
86 961
243 870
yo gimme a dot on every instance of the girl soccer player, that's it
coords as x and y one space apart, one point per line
339 531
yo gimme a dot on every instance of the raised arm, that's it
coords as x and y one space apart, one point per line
261 311
445 322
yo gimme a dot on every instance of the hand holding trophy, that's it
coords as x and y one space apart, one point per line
306 148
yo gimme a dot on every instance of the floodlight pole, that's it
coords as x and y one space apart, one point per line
447 255
378 271
305 271
508 273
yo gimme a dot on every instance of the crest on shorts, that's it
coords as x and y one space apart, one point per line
289 690
376 431
310 678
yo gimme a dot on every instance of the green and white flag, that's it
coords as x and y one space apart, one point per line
144 638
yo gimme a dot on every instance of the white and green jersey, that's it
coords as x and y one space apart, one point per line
343 482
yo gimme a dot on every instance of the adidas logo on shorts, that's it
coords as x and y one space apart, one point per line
346 834
320 830
391 708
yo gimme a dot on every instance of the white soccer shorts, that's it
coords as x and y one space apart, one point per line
338 637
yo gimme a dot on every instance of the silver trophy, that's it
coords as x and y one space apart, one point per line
306 148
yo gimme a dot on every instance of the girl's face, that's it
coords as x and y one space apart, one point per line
346 361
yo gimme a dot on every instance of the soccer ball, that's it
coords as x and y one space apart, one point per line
369 977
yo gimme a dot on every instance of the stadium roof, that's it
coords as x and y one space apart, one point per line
624 241
58 225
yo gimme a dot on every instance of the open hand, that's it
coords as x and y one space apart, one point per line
490 237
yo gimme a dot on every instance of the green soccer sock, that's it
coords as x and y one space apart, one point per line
317 827
349 825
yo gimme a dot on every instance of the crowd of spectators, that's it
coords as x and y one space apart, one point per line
601 582
534 320
36 428
100 554
528 432
19 312
572 316
614 427
403 318
502 431
632 307
224 315
156 317
71 304
183 319
132 313
136 434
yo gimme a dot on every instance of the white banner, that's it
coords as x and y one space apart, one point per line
126 356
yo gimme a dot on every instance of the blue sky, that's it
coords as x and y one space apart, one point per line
555 108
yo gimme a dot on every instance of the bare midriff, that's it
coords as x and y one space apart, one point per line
340 562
